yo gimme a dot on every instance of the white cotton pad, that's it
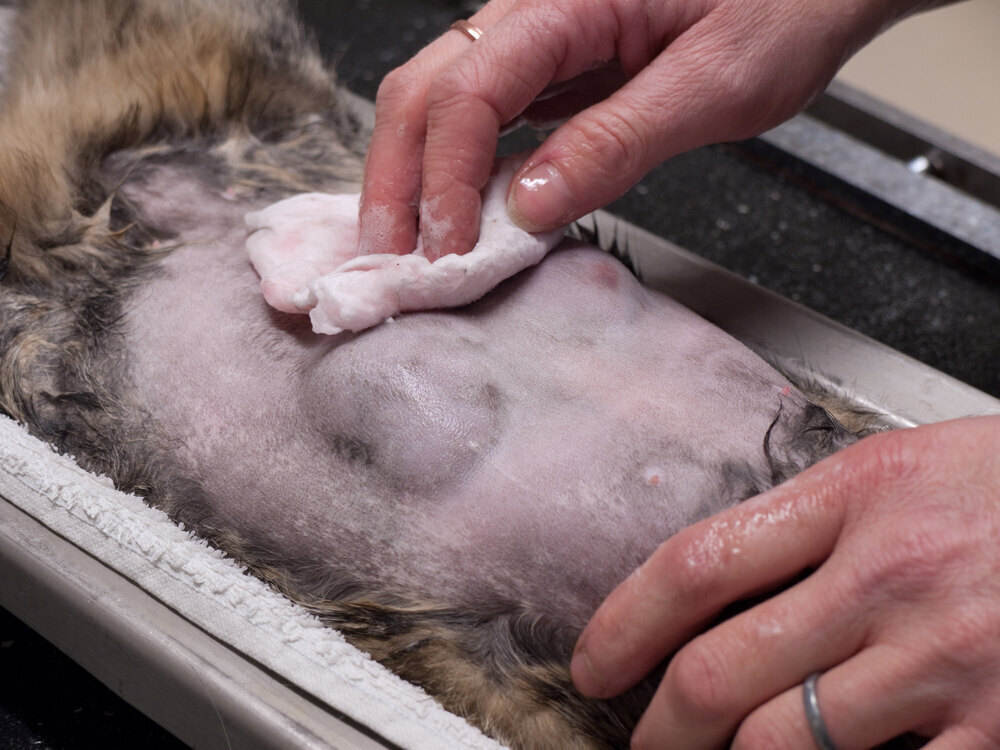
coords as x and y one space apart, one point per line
304 249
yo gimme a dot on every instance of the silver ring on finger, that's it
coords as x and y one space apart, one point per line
813 716
472 31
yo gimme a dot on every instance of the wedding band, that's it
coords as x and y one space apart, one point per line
816 724
471 31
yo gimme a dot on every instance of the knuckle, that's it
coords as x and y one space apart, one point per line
700 682
890 457
453 85
894 576
970 636
913 562
398 84
614 139
887 468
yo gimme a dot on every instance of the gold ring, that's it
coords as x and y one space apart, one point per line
471 31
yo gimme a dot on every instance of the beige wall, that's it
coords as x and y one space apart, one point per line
943 66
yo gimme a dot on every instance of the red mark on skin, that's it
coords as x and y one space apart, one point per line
604 275
652 476
786 390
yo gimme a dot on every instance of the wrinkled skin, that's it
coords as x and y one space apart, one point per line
525 452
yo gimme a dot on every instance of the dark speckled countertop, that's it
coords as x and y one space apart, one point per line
714 202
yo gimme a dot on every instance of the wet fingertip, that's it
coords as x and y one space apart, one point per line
383 230
440 238
540 200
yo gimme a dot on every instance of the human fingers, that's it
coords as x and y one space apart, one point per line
751 548
719 677
560 101
391 187
728 76
387 219
878 695
917 564
914 559
468 103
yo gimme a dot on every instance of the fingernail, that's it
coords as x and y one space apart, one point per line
540 200
582 672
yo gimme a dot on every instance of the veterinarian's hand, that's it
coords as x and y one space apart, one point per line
900 610
663 77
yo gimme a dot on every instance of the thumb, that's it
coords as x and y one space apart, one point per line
585 164
713 83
